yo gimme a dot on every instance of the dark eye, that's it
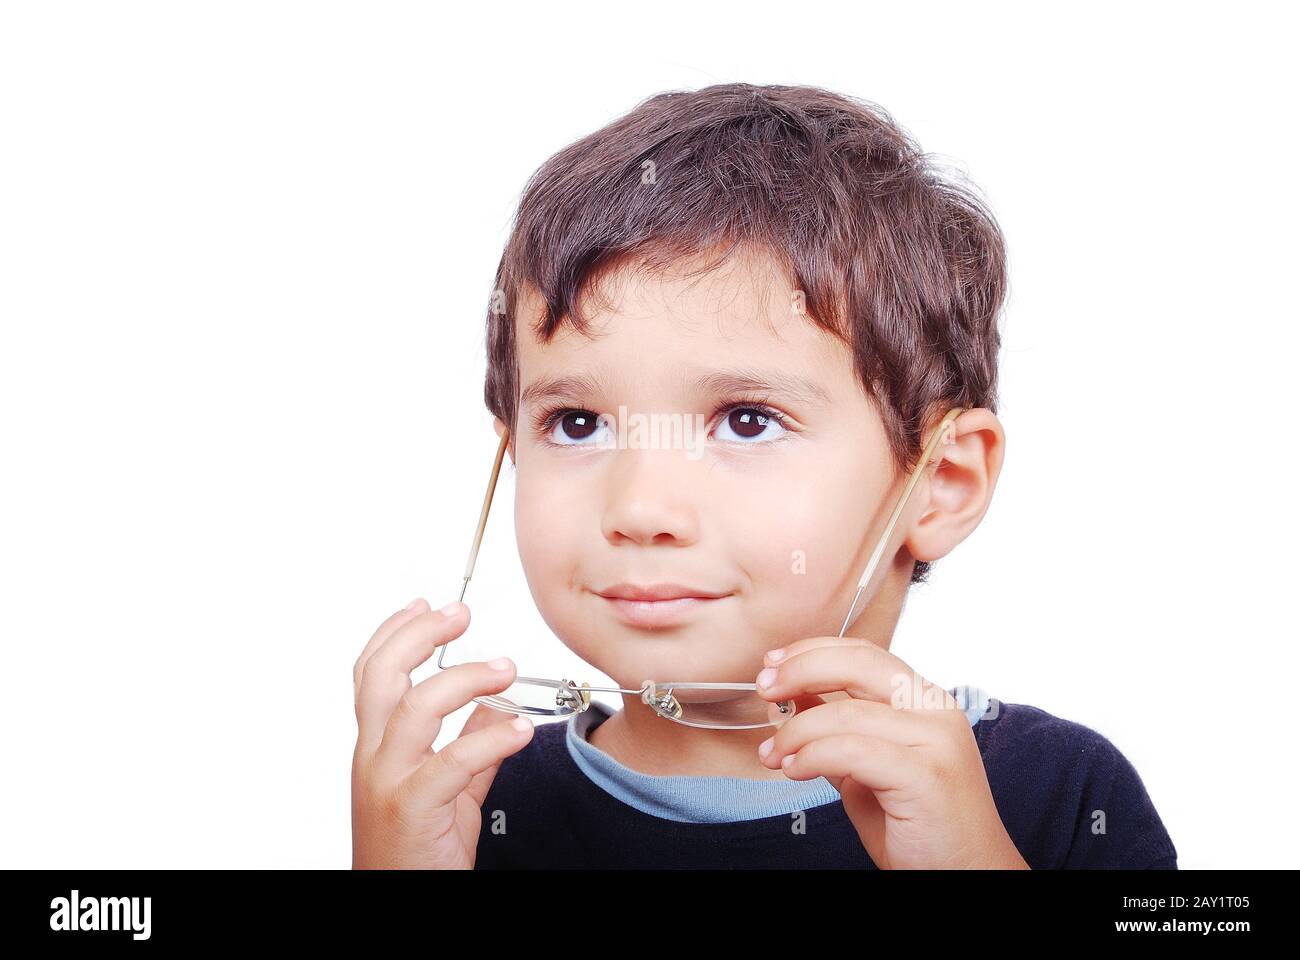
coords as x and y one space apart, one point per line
574 427
750 424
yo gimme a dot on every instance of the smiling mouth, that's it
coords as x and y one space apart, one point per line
659 605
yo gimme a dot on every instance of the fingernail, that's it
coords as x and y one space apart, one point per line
412 605
787 760
500 663
766 677
777 655
765 747
453 608
521 723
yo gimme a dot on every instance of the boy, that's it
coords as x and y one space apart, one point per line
782 264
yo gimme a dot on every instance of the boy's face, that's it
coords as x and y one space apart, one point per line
775 521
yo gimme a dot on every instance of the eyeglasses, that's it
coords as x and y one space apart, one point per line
714 706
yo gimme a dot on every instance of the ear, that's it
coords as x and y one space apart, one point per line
500 428
960 486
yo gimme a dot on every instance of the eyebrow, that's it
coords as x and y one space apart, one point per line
799 389
559 388
579 386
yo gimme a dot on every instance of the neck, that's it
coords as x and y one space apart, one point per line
639 738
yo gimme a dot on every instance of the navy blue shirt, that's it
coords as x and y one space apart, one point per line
1067 797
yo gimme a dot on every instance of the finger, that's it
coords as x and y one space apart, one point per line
484 716
409 612
875 763
864 671
449 772
416 720
797 705
808 643
846 716
387 673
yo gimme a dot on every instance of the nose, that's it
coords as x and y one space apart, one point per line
649 499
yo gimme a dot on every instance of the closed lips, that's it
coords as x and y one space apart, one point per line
658 592
658 605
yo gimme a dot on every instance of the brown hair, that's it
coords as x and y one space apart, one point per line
906 266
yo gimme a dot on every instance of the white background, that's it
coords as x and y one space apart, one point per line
245 255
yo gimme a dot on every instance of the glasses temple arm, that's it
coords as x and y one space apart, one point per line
876 554
482 523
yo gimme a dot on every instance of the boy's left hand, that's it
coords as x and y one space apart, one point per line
907 767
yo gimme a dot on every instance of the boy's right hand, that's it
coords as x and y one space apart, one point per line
412 807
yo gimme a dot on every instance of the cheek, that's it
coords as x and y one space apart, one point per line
792 553
798 548
547 532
